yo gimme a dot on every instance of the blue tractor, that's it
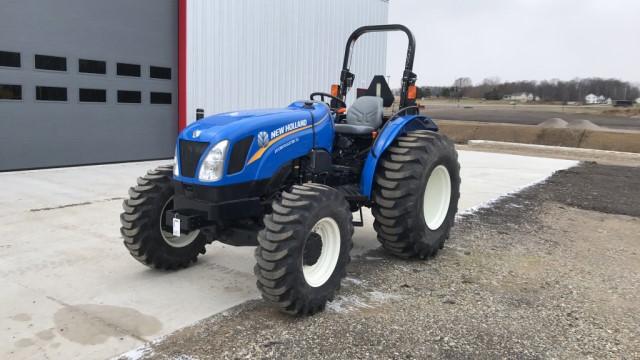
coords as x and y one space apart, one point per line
288 180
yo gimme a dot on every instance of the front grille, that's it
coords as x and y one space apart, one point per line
239 155
190 153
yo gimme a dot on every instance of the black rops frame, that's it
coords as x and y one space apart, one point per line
408 76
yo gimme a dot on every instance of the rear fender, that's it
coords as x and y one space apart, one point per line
391 130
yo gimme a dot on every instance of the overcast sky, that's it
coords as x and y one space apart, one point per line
517 39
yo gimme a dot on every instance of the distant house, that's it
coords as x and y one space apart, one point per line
521 97
591 99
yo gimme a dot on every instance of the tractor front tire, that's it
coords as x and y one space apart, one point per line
304 248
143 230
416 194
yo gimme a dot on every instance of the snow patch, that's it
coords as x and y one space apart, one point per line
353 280
136 354
346 304
343 304
381 297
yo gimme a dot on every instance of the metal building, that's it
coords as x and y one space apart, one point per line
91 81
269 53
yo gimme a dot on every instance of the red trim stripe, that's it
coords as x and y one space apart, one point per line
182 64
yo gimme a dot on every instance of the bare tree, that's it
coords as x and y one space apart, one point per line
461 85
463 82
547 90
491 81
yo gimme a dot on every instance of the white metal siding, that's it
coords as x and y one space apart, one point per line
244 54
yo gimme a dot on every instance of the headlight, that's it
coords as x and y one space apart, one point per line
176 171
213 164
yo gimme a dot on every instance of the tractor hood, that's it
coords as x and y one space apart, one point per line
260 136
234 126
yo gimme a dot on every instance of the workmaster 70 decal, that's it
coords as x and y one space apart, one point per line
279 134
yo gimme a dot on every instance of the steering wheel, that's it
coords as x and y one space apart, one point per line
325 95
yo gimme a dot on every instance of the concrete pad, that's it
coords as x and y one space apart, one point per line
71 291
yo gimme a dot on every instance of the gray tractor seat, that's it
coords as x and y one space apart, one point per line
363 117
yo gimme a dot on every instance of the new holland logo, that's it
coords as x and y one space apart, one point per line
263 138
196 134
287 128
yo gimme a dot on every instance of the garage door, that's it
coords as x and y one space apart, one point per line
85 82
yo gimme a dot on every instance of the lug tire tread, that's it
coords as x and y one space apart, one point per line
398 188
139 232
280 248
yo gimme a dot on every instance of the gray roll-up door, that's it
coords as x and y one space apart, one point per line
85 82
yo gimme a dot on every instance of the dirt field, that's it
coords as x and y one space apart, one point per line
628 112
531 114
551 272
554 152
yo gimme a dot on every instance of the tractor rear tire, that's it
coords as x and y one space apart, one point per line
416 194
304 248
142 225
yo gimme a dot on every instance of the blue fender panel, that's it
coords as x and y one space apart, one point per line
389 133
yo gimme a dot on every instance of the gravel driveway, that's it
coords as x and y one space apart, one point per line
551 272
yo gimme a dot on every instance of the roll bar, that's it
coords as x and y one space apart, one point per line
408 76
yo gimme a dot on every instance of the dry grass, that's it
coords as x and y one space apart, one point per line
632 111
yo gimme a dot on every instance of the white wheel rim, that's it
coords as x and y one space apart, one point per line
317 274
437 195
175 241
